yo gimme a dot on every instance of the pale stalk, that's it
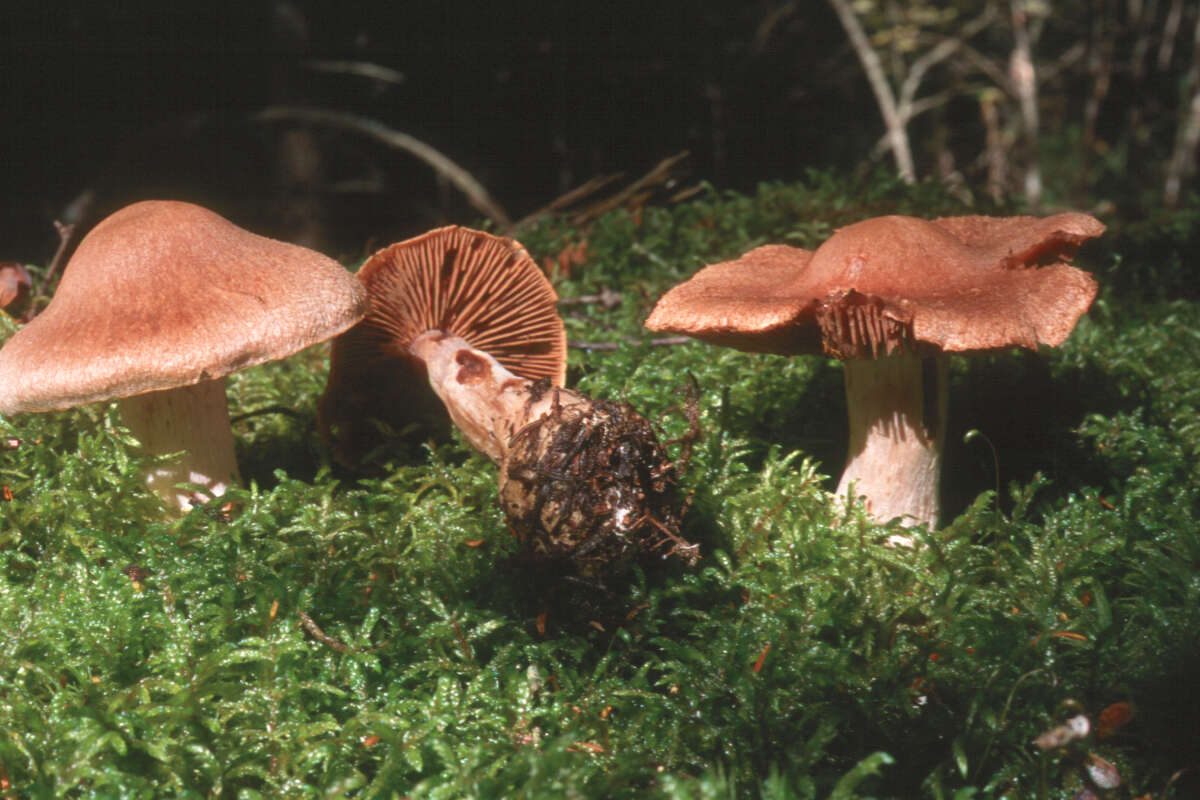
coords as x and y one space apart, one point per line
192 421
897 411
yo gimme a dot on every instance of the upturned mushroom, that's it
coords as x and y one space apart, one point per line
482 288
160 302
891 297
582 481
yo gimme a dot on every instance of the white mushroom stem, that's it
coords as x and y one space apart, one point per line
486 402
897 407
192 421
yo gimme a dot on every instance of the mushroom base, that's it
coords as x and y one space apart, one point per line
192 421
584 483
587 484
897 410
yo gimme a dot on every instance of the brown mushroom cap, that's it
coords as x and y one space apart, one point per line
875 287
884 294
164 294
483 288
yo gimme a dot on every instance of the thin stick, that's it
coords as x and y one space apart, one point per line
606 297
659 174
285 410
476 195
665 341
321 636
885 98
66 233
362 69
591 186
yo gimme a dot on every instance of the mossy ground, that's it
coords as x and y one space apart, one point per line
144 657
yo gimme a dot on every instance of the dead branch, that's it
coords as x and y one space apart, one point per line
1024 79
586 189
1170 30
665 341
66 237
660 173
321 636
472 189
884 97
1187 137
361 69
939 53
606 298
314 630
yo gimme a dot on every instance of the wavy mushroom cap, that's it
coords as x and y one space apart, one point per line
163 294
483 288
886 284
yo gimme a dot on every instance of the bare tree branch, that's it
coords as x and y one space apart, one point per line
1166 48
989 68
884 96
940 52
1024 79
361 69
476 195
1187 137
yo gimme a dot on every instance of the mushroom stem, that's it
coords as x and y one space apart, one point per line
192 420
487 403
897 410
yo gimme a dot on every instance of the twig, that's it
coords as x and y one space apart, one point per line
885 98
321 636
1187 136
1170 29
659 174
476 195
589 187
285 410
666 341
1024 79
938 53
607 298
362 69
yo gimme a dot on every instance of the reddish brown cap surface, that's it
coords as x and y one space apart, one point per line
955 284
483 288
163 294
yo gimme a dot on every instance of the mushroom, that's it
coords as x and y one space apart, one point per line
581 480
890 297
159 303
482 288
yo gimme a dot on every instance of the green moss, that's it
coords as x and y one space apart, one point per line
143 657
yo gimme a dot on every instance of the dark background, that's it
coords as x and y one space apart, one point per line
155 99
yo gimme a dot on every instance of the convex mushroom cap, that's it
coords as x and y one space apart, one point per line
881 294
461 282
163 295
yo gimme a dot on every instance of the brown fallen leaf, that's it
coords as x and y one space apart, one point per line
1112 718
15 284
